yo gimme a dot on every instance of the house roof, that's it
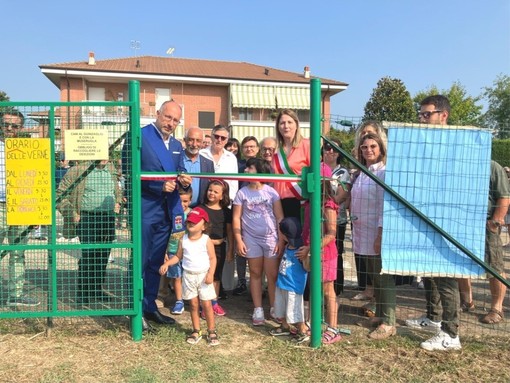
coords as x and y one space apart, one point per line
180 68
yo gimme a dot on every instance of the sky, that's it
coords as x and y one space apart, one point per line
422 43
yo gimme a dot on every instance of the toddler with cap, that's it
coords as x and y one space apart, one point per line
196 250
290 284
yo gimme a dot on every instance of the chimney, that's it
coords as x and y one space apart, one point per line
307 72
266 71
92 59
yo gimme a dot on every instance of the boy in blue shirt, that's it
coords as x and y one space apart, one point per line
290 284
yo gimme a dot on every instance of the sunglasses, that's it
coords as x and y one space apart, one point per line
426 115
366 147
327 147
9 125
220 138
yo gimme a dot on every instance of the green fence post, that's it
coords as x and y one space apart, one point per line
314 187
135 185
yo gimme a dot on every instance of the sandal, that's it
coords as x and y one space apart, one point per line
300 338
212 338
493 317
467 307
330 336
369 310
194 337
383 331
280 331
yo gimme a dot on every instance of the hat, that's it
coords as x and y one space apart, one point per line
196 215
291 228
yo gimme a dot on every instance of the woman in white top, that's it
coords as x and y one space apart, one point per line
367 199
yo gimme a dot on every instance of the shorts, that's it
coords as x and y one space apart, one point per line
174 271
329 269
260 248
289 305
494 251
193 285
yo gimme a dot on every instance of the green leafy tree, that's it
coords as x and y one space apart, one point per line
390 101
497 116
464 108
3 96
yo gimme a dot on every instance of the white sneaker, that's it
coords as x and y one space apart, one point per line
441 342
258 318
423 323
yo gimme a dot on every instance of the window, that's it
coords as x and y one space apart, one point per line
303 115
206 120
245 114
161 95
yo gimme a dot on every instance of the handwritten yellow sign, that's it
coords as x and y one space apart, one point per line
86 144
28 181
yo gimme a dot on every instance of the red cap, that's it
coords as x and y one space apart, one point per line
196 215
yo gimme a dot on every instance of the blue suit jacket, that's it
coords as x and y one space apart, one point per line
206 166
158 206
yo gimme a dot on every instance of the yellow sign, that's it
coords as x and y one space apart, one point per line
28 181
86 144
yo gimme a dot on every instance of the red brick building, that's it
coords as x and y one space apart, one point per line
244 95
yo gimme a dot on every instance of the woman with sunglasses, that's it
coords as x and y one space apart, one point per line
367 207
224 161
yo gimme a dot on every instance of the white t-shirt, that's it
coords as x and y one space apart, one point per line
226 164
367 200
194 254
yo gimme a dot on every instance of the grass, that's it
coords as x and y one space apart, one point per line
82 351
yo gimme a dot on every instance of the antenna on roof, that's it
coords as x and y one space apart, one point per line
170 51
135 45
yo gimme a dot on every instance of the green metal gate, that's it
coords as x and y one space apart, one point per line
70 249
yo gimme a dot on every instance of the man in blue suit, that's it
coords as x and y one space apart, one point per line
161 206
196 163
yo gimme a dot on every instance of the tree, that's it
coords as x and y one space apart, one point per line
3 96
464 110
390 101
497 116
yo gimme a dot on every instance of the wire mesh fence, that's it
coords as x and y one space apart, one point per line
447 174
72 256
65 228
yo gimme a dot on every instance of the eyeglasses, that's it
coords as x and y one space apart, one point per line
220 138
366 147
426 115
271 150
9 125
251 147
171 119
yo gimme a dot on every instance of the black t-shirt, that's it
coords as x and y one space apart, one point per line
218 220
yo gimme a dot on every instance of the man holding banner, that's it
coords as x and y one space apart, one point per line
441 293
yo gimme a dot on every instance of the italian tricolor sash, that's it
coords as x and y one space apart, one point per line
283 167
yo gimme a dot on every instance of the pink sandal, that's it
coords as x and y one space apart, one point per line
331 336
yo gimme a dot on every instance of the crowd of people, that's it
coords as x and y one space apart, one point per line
267 228
193 225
